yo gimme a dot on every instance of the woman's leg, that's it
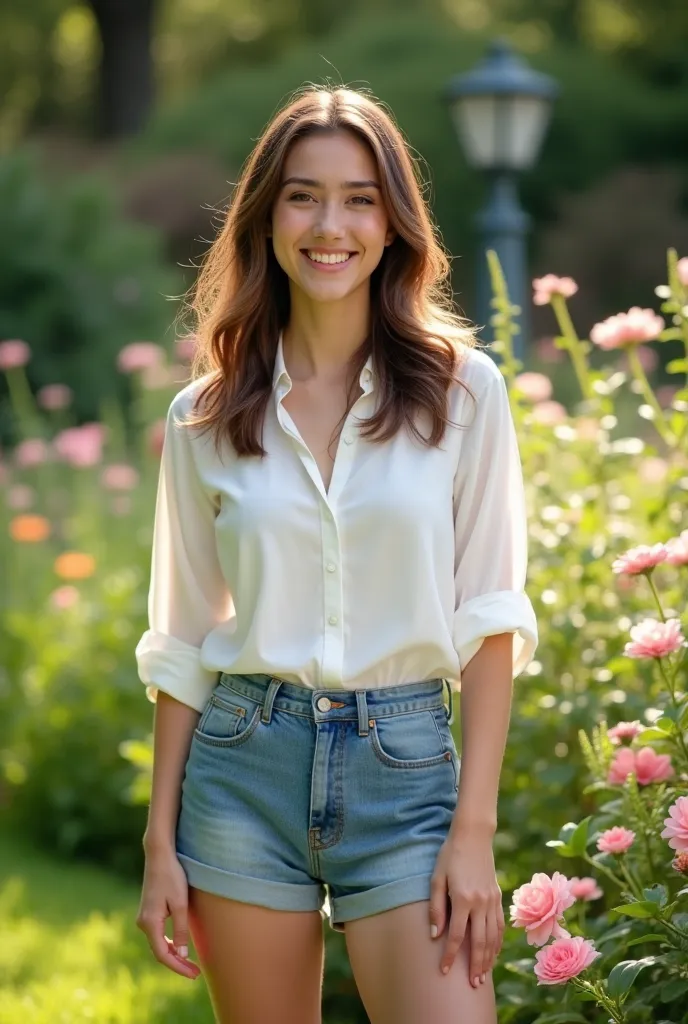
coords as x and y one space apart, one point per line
396 966
260 965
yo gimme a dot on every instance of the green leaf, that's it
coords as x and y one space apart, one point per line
657 894
579 839
617 932
624 974
665 723
674 989
567 831
640 908
683 891
653 733
652 937
677 366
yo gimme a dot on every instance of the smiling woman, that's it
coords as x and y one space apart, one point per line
352 545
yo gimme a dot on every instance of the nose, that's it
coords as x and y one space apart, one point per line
329 220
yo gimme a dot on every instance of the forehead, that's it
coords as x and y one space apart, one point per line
337 155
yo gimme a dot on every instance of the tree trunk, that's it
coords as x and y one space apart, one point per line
126 65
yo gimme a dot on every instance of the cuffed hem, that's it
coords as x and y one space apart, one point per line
166 663
503 611
376 900
246 889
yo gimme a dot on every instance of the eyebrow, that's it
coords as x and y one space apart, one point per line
318 184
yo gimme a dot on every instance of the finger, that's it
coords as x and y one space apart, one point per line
180 932
491 939
478 941
456 934
160 945
437 909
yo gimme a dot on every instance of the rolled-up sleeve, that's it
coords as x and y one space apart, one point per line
188 595
491 537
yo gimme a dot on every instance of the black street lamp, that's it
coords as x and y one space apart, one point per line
500 111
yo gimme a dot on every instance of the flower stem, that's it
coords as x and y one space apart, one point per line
653 588
649 395
574 344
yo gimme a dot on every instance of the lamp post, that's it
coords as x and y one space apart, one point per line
500 111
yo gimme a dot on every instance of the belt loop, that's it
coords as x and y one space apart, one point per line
450 709
362 706
273 687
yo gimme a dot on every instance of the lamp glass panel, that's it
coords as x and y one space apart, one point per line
501 131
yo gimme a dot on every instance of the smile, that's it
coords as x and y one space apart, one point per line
328 262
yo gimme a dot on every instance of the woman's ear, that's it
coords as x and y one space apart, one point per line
390 236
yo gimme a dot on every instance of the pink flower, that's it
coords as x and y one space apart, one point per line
648 765
625 731
535 387
185 348
647 358
640 559
564 959
64 597
20 496
665 395
80 446
550 413
54 396
615 840
119 477
631 328
139 355
549 285
537 905
682 270
676 830
31 452
653 639
156 436
677 549
680 863
585 888
548 352
13 353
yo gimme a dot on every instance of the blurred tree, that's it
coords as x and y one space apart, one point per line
126 64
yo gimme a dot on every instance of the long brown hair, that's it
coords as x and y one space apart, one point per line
240 300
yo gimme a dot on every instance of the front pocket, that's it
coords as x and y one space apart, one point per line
409 740
225 723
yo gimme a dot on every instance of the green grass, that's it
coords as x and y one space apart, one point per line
71 951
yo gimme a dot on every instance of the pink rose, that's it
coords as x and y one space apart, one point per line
615 840
549 413
682 270
119 476
677 825
564 959
537 905
54 396
585 888
80 446
646 763
13 353
31 452
625 731
677 549
549 285
139 355
653 639
633 327
640 559
535 387
680 863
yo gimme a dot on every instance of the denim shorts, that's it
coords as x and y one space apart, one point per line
314 799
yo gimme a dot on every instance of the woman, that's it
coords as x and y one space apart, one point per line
339 532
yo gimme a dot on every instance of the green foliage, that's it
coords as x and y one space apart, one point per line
77 280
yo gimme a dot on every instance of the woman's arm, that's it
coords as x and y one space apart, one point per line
486 688
173 728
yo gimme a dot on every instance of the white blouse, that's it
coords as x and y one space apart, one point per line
393 575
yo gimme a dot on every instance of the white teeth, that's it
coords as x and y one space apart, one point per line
319 257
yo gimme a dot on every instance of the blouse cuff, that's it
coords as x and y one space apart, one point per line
166 663
504 611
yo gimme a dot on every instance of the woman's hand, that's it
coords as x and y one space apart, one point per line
465 874
165 892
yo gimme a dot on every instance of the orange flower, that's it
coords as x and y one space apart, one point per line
29 529
74 565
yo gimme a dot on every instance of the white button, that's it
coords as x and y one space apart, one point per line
324 703
348 440
333 620
331 567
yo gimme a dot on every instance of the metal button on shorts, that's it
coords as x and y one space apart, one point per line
324 703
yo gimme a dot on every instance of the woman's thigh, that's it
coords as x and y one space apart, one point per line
259 964
396 966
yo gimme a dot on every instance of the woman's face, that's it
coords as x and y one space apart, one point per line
335 209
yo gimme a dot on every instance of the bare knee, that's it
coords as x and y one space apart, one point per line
261 966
